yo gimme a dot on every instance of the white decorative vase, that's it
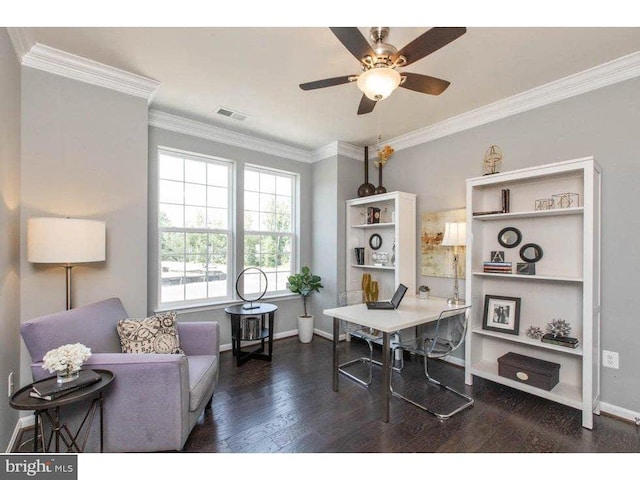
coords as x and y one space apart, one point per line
423 295
305 328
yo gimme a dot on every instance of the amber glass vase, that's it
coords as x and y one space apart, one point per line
374 291
366 280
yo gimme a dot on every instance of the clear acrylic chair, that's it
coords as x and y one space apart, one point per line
368 335
449 334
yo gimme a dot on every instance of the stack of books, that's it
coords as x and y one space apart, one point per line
562 341
497 267
50 389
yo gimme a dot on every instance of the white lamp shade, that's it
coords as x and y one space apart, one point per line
65 240
378 83
455 234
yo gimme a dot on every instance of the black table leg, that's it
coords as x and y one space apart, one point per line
36 414
271 319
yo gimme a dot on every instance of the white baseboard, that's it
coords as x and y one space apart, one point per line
620 412
21 424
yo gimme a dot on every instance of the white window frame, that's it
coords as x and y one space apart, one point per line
293 235
229 231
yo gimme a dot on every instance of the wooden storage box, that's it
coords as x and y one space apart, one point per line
529 370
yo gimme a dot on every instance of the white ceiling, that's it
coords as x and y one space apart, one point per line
257 70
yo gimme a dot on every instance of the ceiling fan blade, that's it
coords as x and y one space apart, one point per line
354 41
424 83
366 105
327 82
430 41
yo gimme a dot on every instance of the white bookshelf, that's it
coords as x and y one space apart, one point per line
566 284
397 225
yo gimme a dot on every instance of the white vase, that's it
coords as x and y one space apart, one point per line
305 328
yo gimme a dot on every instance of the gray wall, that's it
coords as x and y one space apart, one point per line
289 307
84 155
603 123
335 180
9 228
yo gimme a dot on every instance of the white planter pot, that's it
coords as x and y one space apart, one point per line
305 328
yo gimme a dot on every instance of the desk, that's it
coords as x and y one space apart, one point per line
50 409
411 313
261 310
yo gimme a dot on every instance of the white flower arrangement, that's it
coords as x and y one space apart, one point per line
66 359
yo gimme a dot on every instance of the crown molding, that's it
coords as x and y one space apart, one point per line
609 73
176 123
58 62
336 148
21 40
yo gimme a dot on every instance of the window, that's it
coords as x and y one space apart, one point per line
194 226
269 228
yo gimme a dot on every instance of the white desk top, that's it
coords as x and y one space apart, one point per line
412 311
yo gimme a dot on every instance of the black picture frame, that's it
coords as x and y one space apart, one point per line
375 241
507 233
501 314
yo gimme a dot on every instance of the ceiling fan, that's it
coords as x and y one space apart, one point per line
380 61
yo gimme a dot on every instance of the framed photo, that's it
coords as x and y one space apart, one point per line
501 314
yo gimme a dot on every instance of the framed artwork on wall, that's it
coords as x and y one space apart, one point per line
436 260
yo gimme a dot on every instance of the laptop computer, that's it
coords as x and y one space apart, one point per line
389 305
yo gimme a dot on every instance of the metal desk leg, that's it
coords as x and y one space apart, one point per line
101 400
336 363
386 377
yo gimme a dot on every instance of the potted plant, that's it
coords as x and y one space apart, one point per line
304 284
423 292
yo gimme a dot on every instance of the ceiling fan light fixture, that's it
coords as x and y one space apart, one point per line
378 83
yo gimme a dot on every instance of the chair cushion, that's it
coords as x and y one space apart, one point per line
155 334
202 375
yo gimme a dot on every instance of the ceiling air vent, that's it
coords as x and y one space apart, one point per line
226 112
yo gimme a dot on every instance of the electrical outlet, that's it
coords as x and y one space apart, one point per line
10 384
610 359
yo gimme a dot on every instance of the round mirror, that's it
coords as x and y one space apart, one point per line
509 237
531 252
375 241
253 283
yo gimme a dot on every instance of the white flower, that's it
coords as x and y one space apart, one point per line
67 358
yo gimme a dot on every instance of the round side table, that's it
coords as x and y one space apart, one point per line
265 312
50 409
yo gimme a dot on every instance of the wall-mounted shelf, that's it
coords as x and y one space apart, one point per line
544 278
375 267
531 214
374 225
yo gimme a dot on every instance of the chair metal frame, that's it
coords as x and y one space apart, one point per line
364 333
436 347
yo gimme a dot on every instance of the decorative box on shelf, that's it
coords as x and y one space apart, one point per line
529 370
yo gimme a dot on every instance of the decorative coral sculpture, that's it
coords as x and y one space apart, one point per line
534 332
383 155
559 327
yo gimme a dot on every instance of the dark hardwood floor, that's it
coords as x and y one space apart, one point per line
288 406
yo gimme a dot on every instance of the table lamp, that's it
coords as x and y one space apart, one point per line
67 242
455 235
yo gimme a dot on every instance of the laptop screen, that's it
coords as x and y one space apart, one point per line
397 297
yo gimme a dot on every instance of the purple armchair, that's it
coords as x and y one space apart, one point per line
155 399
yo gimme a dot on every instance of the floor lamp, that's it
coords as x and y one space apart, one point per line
455 235
66 242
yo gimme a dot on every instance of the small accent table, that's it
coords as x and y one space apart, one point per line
50 409
266 313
